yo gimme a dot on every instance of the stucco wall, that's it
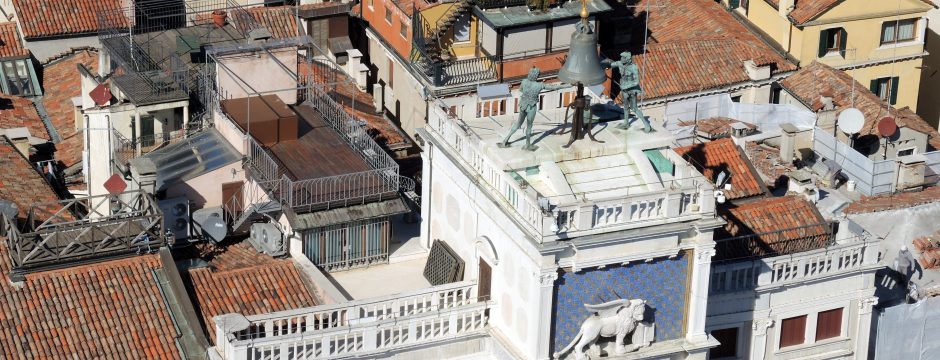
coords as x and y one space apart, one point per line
462 219
404 95
261 72
206 190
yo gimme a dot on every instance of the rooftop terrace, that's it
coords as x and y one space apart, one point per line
628 178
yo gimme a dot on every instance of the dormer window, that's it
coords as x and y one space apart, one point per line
19 78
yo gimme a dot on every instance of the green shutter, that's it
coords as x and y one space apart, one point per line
822 43
733 4
843 39
894 90
874 86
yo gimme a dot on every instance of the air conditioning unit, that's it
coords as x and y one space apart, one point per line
267 239
210 223
176 217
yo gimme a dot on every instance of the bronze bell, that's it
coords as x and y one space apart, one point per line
582 65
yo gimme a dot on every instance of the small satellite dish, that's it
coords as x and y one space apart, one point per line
851 121
9 209
887 127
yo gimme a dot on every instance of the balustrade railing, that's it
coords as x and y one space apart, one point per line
749 274
358 327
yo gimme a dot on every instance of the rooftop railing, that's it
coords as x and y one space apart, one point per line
331 191
357 328
85 228
545 216
834 259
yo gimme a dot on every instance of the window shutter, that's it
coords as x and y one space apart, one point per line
733 4
822 43
894 90
843 39
874 86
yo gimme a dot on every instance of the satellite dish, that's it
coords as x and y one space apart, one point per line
887 127
9 209
851 121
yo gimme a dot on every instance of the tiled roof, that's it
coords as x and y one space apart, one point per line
806 10
712 157
701 41
108 310
18 112
767 162
20 182
818 79
10 45
62 82
281 21
346 92
783 225
41 18
716 127
902 200
239 280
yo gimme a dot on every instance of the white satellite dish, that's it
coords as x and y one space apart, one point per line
851 121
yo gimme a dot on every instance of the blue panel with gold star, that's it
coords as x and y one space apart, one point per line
662 283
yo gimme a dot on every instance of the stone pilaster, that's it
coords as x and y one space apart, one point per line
759 337
698 299
546 289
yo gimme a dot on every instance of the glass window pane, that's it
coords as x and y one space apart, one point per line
12 83
906 30
21 68
462 29
887 33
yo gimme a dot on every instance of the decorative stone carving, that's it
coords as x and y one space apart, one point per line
865 305
705 254
760 326
616 319
531 87
548 279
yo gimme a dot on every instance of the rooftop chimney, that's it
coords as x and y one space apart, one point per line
911 171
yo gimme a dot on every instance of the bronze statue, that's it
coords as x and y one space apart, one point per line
528 106
629 89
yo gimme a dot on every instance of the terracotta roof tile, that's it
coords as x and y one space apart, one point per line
18 112
239 280
10 45
62 82
806 10
712 157
41 18
810 82
767 162
868 204
701 41
20 182
778 222
112 309
281 21
348 94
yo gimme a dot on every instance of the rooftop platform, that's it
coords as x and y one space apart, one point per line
503 13
617 166
316 150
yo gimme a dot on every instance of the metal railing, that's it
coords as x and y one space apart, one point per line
85 228
458 72
125 149
774 243
858 254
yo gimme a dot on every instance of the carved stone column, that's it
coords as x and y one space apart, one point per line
701 273
864 326
546 289
759 337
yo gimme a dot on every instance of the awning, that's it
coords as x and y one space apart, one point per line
347 214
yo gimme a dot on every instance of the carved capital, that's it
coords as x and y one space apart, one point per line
865 305
548 279
704 254
760 326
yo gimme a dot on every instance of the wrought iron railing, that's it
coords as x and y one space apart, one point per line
458 72
774 243
125 149
85 228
